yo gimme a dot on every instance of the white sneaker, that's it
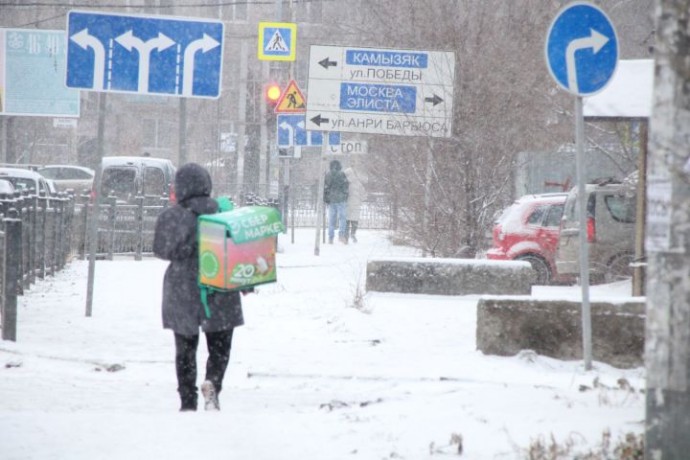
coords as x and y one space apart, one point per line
210 396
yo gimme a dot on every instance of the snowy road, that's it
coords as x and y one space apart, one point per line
321 370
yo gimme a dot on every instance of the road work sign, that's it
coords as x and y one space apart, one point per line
292 100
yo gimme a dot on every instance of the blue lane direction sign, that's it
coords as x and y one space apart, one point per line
380 91
582 49
291 132
144 54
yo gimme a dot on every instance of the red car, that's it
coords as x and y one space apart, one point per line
528 230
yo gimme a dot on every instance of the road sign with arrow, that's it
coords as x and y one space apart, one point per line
147 55
582 49
380 91
291 132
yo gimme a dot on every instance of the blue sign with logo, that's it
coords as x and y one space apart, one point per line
582 49
291 132
147 55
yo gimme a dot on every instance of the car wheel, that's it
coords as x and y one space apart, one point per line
619 268
542 272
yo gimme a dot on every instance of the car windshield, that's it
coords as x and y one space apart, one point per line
22 183
49 173
537 215
120 181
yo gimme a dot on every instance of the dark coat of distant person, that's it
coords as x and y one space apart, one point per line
336 185
176 240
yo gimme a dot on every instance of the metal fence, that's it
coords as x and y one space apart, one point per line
125 229
35 241
376 211
39 235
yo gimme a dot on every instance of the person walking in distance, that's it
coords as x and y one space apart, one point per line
335 193
356 195
175 240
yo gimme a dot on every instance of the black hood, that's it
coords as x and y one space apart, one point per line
335 166
192 180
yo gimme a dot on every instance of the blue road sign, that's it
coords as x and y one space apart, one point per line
380 91
291 132
277 41
33 74
582 49
378 98
148 55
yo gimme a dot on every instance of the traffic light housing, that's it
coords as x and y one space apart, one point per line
272 92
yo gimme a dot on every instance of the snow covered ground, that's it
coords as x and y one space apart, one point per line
321 370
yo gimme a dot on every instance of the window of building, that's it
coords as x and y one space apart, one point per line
309 11
158 134
232 10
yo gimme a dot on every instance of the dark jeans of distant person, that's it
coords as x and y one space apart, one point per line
352 230
337 214
218 344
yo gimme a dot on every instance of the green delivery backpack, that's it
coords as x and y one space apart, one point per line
237 248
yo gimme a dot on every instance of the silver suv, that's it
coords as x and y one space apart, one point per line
611 208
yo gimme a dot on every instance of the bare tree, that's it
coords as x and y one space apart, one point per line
501 106
668 240
447 191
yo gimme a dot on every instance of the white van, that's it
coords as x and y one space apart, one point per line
125 178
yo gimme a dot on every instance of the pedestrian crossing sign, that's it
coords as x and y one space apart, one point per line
292 100
277 41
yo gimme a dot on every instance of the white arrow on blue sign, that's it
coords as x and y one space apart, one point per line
147 55
291 132
582 49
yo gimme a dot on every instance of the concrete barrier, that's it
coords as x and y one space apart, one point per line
448 276
553 328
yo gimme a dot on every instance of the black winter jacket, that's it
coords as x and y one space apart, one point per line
336 185
175 239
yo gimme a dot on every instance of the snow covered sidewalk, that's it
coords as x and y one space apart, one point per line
321 370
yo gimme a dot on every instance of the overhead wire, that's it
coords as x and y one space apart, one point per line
205 4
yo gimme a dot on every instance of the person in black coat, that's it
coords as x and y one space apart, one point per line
335 193
175 239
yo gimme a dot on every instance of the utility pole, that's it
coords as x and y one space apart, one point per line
182 132
242 118
668 240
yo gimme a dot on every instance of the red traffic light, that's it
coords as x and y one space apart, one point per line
272 93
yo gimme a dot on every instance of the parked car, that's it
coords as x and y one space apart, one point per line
69 177
528 230
129 177
611 212
25 179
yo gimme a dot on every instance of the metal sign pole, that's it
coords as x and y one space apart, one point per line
93 216
584 247
319 197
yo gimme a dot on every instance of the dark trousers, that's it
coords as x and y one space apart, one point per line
218 344
352 227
